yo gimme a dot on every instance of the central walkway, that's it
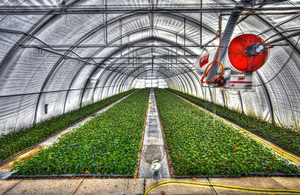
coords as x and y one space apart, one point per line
153 144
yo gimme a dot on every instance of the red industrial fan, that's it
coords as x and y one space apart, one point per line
245 54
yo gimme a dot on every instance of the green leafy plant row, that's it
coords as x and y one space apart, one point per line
15 142
285 137
107 144
200 145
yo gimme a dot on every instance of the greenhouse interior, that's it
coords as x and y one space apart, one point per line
149 97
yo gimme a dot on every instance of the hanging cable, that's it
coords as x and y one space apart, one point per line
290 57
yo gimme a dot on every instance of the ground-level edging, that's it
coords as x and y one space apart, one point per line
139 186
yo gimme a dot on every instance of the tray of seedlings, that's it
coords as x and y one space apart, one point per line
108 144
15 142
285 137
202 146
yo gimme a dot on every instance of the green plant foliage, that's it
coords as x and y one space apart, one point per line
200 145
107 144
285 137
15 142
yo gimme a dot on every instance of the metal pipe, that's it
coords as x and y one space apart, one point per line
285 37
71 10
44 92
233 19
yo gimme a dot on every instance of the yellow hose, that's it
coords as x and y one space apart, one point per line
206 185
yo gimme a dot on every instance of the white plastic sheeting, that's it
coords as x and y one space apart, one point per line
70 60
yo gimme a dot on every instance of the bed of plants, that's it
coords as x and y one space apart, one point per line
198 145
107 144
15 142
285 137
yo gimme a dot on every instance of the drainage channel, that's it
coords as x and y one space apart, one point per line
153 149
5 168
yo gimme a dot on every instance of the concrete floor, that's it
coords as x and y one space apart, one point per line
139 186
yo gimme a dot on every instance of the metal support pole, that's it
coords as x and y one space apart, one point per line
106 24
152 24
201 23
241 102
268 97
176 49
184 20
224 99
220 25
211 97
121 35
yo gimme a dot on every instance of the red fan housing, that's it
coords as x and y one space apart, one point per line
249 61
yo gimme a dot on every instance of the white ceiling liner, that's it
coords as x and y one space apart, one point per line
65 59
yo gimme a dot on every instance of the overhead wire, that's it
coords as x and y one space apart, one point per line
278 33
284 65
280 24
